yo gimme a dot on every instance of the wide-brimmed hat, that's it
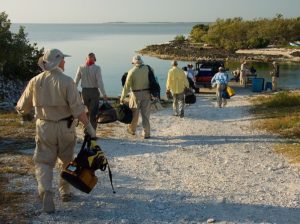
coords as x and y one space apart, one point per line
137 60
51 59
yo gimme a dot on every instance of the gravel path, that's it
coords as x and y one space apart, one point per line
209 166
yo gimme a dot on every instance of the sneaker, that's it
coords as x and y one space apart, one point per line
67 197
224 104
181 115
130 132
48 203
146 137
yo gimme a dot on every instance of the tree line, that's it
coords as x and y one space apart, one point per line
18 58
236 33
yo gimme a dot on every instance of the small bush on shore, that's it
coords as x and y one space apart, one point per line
179 39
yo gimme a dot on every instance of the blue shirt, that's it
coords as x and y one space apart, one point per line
220 78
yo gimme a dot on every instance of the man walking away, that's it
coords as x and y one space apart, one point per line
220 80
91 81
56 102
275 76
176 83
140 99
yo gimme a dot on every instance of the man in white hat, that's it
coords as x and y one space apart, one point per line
56 101
140 99
176 83
91 81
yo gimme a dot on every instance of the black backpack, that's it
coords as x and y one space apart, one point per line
153 84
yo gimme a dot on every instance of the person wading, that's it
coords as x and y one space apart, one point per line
56 101
140 99
91 82
176 83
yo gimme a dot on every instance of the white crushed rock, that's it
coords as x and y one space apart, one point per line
210 166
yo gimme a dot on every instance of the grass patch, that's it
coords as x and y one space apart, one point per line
290 151
14 135
280 114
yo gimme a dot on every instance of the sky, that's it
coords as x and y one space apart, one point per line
101 11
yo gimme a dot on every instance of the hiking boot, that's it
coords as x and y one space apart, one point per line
130 132
67 197
48 203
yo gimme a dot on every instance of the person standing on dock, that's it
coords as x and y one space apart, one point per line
91 81
243 74
275 75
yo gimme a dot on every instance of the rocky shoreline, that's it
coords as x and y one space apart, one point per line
10 92
193 52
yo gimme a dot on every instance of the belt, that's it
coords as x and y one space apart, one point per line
140 90
69 119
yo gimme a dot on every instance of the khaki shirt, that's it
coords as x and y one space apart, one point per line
137 79
53 95
90 77
177 80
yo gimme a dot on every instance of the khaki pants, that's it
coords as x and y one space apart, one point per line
243 78
140 101
274 83
54 140
220 99
91 98
178 104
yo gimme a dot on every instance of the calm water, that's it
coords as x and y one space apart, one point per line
115 44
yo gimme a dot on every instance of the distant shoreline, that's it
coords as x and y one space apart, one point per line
193 52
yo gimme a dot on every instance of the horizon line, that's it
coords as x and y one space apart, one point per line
117 22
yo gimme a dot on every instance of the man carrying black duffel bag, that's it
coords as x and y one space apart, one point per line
140 98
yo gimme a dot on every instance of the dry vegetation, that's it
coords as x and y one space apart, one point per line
14 164
280 114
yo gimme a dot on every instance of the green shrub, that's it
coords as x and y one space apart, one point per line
179 38
236 33
18 58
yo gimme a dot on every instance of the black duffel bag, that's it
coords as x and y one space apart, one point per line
190 97
106 114
124 113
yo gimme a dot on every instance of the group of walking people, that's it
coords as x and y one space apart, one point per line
57 102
